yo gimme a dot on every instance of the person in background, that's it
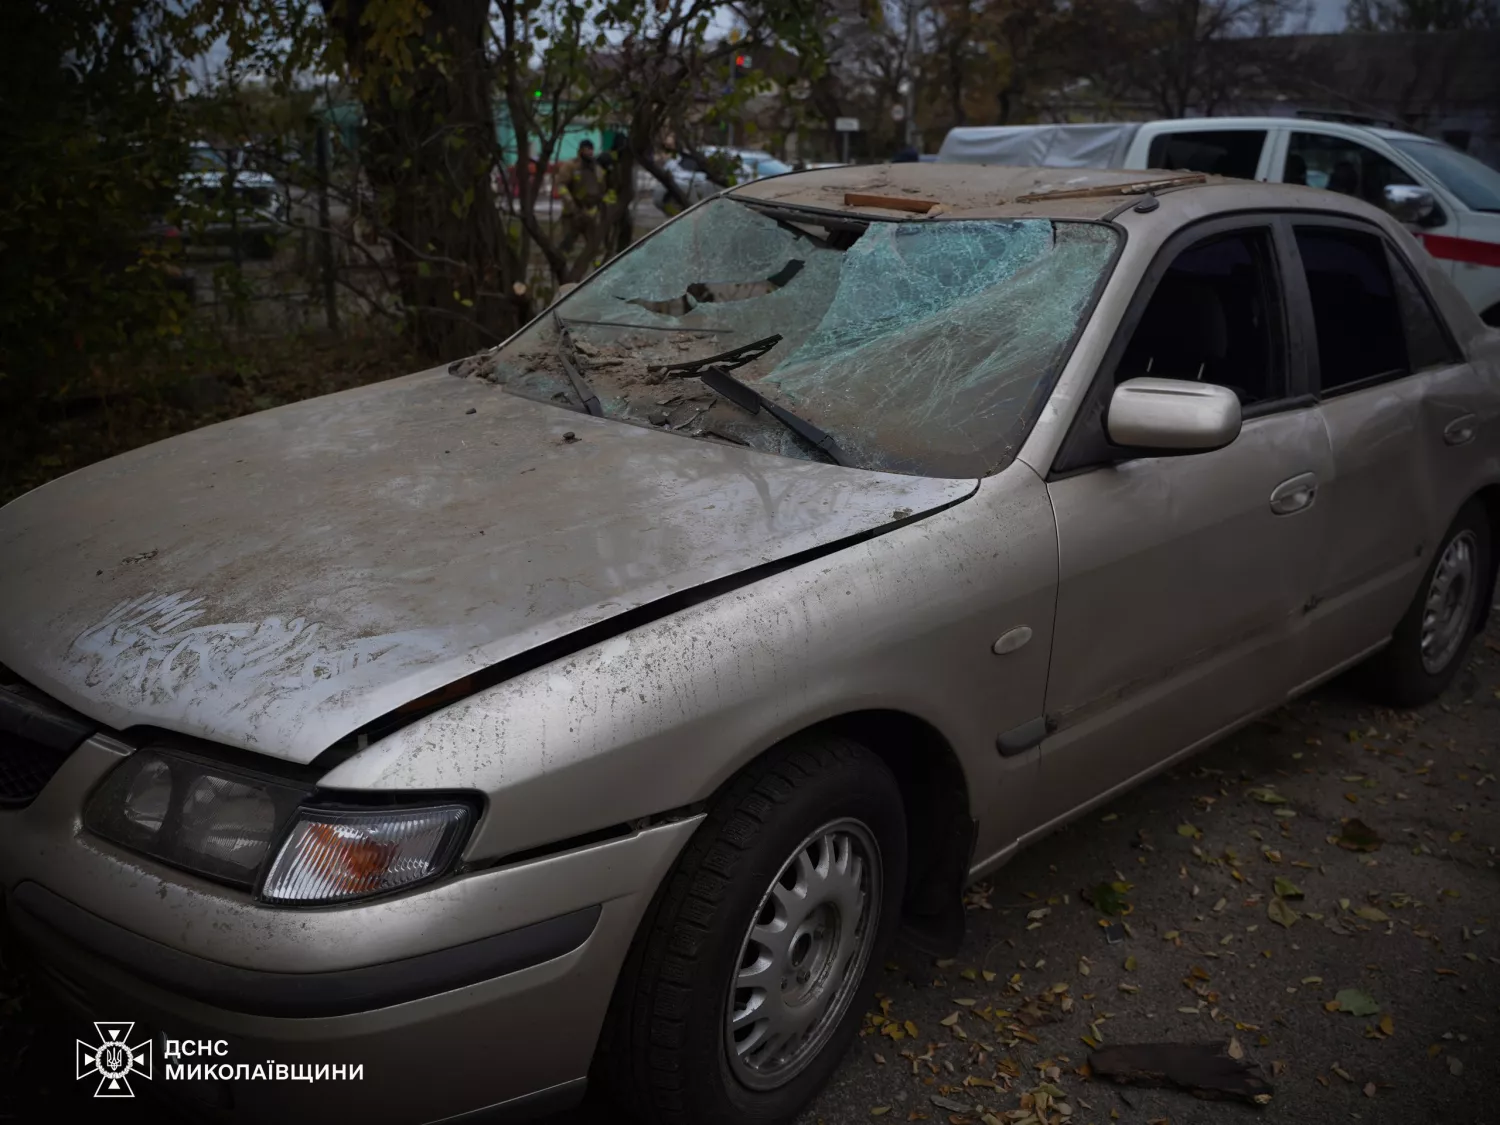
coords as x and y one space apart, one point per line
907 155
582 196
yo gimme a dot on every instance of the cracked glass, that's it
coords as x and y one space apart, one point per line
923 347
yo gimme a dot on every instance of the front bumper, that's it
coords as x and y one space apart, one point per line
487 991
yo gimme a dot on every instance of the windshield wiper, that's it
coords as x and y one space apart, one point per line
568 353
734 357
650 327
713 372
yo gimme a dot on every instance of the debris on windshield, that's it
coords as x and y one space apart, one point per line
891 202
1138 187
720 292
472 364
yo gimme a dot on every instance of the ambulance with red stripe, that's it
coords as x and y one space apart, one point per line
1448 199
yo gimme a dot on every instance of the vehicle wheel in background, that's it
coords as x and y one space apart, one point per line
1429 644
752 967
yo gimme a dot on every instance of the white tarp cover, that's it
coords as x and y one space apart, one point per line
1056 146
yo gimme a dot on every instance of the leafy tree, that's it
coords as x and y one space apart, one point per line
467 224
1171 52
92 144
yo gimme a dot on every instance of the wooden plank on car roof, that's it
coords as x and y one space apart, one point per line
1138 187
890 202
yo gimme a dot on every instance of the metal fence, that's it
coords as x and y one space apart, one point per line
320 261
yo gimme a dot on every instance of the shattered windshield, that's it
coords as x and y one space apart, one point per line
919 347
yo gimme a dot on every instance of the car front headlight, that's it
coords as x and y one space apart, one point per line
236 826
193 813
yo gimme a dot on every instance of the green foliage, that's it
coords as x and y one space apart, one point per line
91 148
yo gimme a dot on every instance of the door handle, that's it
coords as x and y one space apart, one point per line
1461 431
1294 495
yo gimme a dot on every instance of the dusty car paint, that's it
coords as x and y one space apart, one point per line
663 714
275 582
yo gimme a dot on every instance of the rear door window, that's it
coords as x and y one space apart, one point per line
1427 340
1356 313
1219 152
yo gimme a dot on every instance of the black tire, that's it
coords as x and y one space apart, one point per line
664 1057
1397 675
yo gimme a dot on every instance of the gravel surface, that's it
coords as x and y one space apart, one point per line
1413 927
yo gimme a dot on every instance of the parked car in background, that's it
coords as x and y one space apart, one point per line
228 198
740 165
1450 199
600 707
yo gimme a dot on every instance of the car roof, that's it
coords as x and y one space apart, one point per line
1401 135
1288 123
995 191
981 191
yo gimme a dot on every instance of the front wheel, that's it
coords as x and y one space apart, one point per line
747 980
1429 644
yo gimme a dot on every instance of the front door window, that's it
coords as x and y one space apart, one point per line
1341 165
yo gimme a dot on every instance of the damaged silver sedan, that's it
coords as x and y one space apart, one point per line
602 708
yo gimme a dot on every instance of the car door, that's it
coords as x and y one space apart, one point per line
1404 413
1182 578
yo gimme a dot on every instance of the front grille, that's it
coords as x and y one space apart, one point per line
37 735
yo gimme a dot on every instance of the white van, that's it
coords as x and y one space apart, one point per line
1459 224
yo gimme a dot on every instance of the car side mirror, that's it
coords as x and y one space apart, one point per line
1407 203
1170 416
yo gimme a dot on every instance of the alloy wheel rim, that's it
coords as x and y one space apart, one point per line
1449 605
803 955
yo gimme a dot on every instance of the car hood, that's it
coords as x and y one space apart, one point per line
278 581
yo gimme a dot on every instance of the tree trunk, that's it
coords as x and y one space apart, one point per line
622 175
429 149
955 52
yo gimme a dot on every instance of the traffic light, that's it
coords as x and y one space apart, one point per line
741 65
